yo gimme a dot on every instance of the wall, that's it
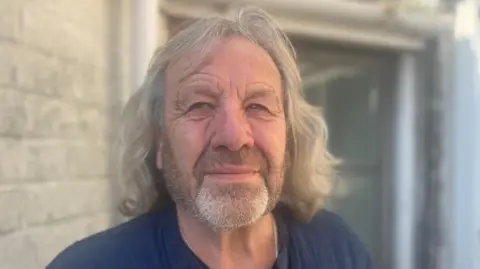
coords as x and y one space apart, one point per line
63 77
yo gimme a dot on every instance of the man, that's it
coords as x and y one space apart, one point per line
226 164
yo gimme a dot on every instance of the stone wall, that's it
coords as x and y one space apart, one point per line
63 77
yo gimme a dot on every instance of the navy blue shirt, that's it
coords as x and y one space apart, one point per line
153 241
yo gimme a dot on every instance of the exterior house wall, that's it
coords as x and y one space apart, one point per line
64 74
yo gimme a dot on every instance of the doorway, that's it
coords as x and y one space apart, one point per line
354 90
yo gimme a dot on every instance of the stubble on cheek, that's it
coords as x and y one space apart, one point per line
181 149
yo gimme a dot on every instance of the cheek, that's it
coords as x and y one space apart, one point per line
188 142
271 139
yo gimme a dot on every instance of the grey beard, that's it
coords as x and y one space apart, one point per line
222 208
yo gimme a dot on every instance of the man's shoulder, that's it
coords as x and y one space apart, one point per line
128 243
327 223
329 239
322 223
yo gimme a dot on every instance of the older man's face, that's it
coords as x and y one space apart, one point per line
223 145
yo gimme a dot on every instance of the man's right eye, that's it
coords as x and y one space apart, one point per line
201 106
200 110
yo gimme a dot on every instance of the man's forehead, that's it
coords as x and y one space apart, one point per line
232 53
187 65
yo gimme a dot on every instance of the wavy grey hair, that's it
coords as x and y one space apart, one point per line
311 167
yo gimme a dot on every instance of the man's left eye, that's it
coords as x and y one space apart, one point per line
256 107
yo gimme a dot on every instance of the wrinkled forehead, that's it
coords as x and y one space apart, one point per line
192 60
234 53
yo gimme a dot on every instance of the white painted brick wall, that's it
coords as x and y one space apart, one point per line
59 96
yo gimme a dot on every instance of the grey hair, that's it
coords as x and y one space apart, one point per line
311 167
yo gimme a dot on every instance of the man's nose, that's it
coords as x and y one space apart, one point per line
232 129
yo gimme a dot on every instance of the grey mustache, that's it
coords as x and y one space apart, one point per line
218 157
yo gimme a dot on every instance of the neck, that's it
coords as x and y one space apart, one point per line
250 246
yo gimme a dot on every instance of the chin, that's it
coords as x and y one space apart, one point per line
231 210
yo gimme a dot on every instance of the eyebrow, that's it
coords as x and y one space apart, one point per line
205 91
260 90
254 90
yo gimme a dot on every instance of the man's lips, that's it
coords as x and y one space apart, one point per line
231 173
